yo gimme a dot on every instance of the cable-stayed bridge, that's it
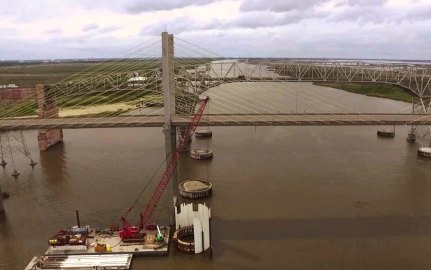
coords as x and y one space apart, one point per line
166 85
166 88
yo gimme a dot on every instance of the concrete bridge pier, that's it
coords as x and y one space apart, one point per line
47 109
181 134
172 188
411 136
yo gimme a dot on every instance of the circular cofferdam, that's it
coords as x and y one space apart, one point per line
195 189
201 133
386 133
424 152
185 240
201 154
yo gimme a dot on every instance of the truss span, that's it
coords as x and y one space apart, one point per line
416 78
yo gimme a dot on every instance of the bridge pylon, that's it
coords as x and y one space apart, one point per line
168 86
47 107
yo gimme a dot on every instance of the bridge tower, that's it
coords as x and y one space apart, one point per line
47 109
168 85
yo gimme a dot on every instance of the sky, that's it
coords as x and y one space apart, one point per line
378 29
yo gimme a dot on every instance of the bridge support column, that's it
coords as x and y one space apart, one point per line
47 109
170 148
181 134
420 106
168 85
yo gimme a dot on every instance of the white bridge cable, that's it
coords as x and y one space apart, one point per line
213 101
116 67
86 74
101 93
257 110
342 106
83 101
107 112
125 97
108 120
94 69
265 109
260 107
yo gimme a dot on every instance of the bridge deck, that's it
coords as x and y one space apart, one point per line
219 120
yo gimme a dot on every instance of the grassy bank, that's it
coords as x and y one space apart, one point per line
372 89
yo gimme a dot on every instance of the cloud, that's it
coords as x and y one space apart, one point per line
176 25
307 28
279 5
108 29
54 31
135 7
378 12
90 27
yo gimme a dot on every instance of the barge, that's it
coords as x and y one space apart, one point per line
87 262
90 241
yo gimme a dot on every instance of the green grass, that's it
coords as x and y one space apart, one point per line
132 98
382 90
26 108
30 74
105 114
50 73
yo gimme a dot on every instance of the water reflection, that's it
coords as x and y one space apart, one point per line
54 163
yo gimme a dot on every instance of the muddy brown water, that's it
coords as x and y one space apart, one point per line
284 197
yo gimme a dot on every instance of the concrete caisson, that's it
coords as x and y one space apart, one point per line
195 189
424 152
201 154
411 137
202 133
184 239
386 133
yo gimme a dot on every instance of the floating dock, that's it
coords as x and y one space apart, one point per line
82 262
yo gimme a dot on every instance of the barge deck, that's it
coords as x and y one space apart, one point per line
82 262
147 247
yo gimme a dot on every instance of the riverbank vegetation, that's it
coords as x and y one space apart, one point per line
381 90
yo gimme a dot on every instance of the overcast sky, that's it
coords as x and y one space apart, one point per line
391 29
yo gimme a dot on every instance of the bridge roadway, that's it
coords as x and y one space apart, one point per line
219 120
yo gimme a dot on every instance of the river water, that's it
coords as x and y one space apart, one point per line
284 197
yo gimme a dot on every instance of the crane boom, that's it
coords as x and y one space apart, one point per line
170 168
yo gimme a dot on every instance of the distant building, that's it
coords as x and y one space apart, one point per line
136 81
11 85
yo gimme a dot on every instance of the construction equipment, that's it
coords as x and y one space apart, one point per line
133 232
159 236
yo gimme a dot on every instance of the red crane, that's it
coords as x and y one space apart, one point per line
130 232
